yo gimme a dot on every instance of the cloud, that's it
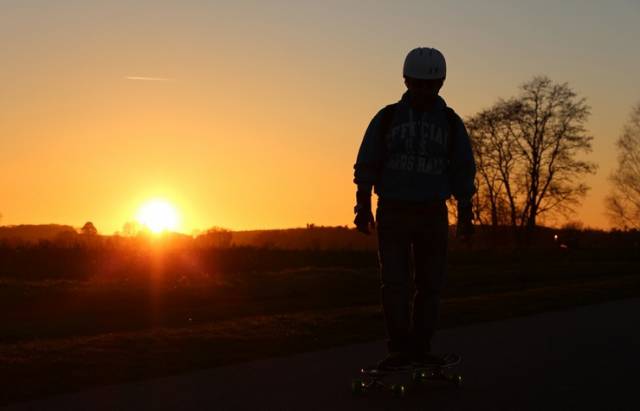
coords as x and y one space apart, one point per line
147 78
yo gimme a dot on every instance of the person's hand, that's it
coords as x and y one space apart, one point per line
364 219
465 229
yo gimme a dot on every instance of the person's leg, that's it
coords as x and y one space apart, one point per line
393 257
430 258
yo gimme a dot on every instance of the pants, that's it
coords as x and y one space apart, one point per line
412 239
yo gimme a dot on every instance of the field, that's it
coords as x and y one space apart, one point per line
85 316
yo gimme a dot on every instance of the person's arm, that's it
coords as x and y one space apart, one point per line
369 160
367 172
462 175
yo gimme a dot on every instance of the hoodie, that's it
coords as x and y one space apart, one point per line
412 162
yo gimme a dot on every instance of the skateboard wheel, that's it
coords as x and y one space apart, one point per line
457 380
358 386
415 376
398 390
419 376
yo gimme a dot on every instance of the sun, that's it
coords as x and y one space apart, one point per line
158 215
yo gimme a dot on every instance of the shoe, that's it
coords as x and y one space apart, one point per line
425 358
395 361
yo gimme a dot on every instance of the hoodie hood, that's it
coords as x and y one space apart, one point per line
438 105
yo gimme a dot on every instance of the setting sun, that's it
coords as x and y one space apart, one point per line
158 215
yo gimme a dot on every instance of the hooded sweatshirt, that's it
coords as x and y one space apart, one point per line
412 162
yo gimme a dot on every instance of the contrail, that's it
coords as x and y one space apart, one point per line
148 78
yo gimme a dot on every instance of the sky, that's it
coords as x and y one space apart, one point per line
249 114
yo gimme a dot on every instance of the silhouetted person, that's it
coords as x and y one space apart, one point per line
415 153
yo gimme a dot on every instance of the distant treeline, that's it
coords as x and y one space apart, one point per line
219 253
33 233
486 237
314 238
311 237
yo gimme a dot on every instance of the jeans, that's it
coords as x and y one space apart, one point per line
412 240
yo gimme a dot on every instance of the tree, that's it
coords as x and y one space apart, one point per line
217 237
623 203
551 134
527 150
89 229
496 160
131 228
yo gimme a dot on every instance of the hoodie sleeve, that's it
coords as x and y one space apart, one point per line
463 167
370 156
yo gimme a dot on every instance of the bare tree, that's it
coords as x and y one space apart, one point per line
527 151
496 160
551 133
623 203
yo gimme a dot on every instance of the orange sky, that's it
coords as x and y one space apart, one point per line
247 115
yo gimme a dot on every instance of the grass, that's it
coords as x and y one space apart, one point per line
74 319
38 367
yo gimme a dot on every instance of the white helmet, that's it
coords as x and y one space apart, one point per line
425 63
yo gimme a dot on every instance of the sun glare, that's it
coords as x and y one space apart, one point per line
158 215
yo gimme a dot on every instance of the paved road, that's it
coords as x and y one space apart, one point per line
586 358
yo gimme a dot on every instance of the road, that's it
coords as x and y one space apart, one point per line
581 359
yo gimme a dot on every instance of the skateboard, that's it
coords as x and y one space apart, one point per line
373 378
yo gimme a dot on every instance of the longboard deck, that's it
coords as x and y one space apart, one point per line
374 378
450 361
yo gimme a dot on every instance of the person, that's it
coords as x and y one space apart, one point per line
415 154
